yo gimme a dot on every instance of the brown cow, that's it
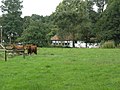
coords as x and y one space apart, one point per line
32 49
17 49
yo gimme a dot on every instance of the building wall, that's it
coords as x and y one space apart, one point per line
78 44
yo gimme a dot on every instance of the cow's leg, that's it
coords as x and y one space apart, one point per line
29 52
35 51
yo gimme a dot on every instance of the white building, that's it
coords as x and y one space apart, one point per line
68 43
78 44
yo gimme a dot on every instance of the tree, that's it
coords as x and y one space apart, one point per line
100 4
72 18
93 15
11 19
35 31
108 26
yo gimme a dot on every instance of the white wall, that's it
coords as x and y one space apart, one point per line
78 44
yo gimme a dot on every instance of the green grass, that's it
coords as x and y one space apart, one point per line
63 69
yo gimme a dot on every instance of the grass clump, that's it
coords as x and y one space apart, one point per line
108 44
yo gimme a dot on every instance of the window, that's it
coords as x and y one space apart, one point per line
75 41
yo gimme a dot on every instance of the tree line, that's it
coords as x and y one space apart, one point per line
72 20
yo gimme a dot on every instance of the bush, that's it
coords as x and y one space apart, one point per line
118 46
108 44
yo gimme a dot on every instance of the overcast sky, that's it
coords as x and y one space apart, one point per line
40 7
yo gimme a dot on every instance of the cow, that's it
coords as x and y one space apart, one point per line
19 49
16 49
31 49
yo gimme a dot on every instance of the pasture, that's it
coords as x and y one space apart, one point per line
62 69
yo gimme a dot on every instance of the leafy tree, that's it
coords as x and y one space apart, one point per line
72 18
35 30
100 4
108 26
11 18
93 16
26 22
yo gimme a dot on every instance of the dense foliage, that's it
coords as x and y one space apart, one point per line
72 17
72 20
108 25
35 30
11 19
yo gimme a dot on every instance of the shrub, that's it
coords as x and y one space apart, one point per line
118 46
108 44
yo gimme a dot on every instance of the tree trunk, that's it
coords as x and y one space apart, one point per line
73 43
73 39
86 45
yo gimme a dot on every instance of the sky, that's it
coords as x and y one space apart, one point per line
40 7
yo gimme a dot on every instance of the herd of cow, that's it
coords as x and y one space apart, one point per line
30 48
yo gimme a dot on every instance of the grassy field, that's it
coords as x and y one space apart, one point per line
63 69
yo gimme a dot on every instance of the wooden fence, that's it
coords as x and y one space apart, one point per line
12 51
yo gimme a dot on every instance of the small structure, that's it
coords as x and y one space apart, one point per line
56 41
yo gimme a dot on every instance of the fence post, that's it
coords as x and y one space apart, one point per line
5 55
24 51
24 54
